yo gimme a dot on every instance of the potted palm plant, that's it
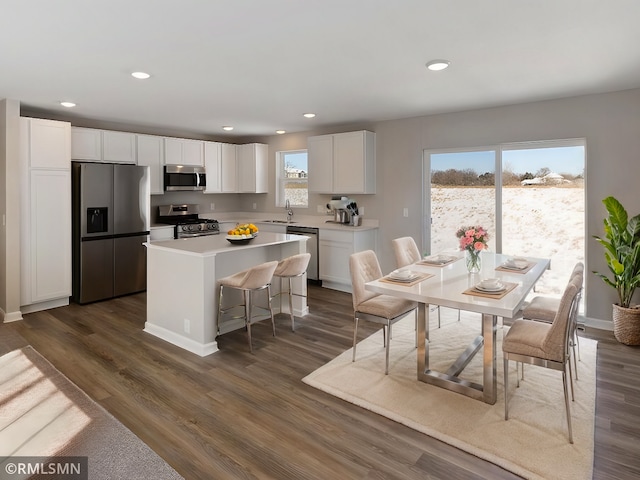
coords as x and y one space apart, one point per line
621 244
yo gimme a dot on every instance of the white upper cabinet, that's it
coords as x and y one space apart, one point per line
213 166
229 168
49 143
320 158
183 151
342 163
93 145
252 168
150 154
86 144
118 147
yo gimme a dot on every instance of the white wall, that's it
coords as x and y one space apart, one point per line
10 209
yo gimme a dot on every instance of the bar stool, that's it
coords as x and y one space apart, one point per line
290 268
249 281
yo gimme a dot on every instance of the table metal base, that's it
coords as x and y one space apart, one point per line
487 392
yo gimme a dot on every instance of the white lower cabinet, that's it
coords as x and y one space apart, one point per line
335 248
45 255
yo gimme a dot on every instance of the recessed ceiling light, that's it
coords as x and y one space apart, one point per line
140 75
437 65
280 132
227 128
68 104
309 115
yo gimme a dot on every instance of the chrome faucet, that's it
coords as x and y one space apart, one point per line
287 207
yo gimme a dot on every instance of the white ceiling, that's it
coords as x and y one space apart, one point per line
260 64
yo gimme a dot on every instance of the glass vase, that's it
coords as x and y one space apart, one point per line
473 260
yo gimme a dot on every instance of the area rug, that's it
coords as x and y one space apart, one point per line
533 443
43 414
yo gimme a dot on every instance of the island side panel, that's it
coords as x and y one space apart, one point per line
179 304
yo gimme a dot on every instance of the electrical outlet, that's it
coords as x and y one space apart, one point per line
360 211
255 205
405 212
187 326
322 209
213 207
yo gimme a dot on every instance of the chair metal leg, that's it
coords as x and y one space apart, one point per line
573 398
291 306
438 307
567 403
247 319
506 387
355 336
386 364
219 308
273 321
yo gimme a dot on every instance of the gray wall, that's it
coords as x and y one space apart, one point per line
609 122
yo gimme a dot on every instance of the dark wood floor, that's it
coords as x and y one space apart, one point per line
237 415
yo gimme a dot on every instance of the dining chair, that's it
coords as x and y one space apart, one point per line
543 309
407 253
542 344
383 309
290 268
249 282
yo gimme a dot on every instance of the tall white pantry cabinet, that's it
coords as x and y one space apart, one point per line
45 163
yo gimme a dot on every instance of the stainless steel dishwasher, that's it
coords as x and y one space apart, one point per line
312 248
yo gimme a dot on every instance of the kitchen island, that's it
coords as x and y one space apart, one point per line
183 290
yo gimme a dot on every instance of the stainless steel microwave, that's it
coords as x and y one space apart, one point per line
184 177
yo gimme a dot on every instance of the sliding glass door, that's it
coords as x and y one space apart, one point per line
533 206
462 193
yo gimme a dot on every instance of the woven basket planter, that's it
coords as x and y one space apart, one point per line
626 324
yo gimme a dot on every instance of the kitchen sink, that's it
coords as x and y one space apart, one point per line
275 221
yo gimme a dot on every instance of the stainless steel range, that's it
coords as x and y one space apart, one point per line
186 221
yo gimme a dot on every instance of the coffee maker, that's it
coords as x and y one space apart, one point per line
344 210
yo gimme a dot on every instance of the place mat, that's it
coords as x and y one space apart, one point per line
497 295
529 266
433 264
421 277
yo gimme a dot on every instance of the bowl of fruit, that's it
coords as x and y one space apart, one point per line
242 234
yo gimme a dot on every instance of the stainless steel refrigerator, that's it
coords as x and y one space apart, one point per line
111 207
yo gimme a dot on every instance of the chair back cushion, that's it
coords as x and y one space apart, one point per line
363 267
406 251
556 342
293 265
259 276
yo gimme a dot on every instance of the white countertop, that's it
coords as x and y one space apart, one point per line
215 244
302 221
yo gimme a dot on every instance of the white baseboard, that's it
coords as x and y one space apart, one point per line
200 349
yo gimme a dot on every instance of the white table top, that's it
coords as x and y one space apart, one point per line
447 285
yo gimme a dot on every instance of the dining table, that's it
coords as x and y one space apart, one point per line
445 281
